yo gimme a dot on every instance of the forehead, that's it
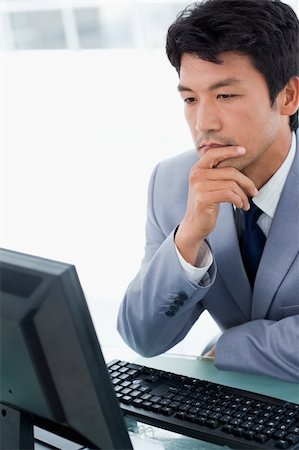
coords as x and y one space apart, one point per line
196 71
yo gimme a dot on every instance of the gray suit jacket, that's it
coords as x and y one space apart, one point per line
260 328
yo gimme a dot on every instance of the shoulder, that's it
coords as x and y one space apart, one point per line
177 167
185 159
168 190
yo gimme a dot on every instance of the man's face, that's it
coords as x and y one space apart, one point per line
229 104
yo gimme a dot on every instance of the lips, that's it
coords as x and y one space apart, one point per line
205 147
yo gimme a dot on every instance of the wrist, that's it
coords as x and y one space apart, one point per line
187 245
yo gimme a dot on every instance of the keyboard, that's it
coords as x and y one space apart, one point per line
204 410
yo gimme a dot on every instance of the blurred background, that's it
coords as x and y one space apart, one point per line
88 107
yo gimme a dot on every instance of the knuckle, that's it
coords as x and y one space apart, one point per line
228 193
195 175
233 185
232 172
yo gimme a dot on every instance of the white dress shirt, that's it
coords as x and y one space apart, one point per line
267 200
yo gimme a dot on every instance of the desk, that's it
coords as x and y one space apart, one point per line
203 368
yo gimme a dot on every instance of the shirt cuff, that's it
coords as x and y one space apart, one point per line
196 274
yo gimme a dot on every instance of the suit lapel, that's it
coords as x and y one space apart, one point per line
278 254
225 246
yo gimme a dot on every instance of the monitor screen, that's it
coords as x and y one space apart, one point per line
52 368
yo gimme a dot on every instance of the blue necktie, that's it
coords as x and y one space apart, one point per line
252 241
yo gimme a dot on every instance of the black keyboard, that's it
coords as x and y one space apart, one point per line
204 410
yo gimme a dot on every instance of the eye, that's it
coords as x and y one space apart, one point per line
189 100
226 96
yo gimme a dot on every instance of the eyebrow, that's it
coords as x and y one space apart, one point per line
217 85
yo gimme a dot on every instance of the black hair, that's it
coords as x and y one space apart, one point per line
267 31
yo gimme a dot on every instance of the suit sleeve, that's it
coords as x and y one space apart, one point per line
161 304
264 346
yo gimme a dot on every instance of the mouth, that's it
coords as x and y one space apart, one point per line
208 146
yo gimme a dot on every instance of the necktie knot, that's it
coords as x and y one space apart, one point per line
251 216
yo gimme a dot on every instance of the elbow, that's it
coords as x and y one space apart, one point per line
139 340
147 353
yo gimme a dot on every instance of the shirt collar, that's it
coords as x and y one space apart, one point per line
268 196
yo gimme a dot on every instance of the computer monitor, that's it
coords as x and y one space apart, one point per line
53 373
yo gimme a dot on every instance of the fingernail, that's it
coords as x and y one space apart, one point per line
241 150
255 192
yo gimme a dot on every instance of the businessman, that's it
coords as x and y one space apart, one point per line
222 230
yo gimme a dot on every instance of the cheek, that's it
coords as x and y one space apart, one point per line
191 122
265 129
259 127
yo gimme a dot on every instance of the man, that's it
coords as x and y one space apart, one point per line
237 62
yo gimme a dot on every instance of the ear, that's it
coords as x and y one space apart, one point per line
290 97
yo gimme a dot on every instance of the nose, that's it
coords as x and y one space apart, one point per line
207 117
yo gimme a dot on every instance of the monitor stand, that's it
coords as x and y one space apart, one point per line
16 429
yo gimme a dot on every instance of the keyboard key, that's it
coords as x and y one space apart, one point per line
124 376
115 367
200 420
137 402
269 431
279 434
294 429
167 411
126 399
282 444
227 428
190 417
134 366
292 438
257 428
124 391
147 405
249 435
225 419
212 423
122 363
155 408
261 438
235 422
238 431
174 405
152 379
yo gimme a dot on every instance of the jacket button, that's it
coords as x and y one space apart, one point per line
178 302
182 297
170 313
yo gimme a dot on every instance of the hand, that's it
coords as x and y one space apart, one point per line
211 353
209 186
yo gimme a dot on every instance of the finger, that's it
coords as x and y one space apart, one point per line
212 186
230 173
222 196
215 155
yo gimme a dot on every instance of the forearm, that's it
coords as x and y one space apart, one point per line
161 304
262 346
